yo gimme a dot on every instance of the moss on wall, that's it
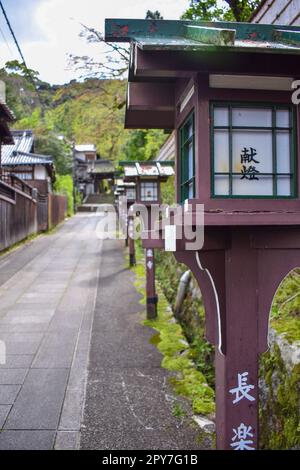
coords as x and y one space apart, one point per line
279 378
178 355
280 408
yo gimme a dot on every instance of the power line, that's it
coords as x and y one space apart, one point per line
12 33
19 50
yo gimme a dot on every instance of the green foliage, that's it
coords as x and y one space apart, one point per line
153 15
178 411
285 313
228 10
177 353
17 67
168 191
280 417
143 144
64 185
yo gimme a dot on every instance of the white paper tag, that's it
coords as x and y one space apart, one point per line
170 238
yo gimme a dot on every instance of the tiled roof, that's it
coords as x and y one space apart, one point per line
20 153
23 158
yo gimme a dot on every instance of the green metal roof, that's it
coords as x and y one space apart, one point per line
193 36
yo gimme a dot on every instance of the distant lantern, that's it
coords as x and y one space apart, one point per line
226 90
147 178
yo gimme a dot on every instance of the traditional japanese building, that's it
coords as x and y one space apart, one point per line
90 170
20 159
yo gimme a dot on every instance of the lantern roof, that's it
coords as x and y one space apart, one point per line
188 35
148 169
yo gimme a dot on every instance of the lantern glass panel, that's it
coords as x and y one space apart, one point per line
221 117
282 118
283 151
262 186
254 154
131 193
284 185
252 148
149 191
221 146
252 117
187 159
222 185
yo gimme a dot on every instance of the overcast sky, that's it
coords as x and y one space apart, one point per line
48 30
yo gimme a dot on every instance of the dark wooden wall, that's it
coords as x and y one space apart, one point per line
57 209
18 215
24 211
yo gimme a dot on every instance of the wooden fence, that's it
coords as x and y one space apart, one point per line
25 211
57 209
18 212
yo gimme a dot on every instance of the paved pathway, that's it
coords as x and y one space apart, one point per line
70 316
47 297
129 404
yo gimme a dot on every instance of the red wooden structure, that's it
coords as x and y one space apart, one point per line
226 89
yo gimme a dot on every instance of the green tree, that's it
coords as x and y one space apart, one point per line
143 144
153 15
228 10
64 185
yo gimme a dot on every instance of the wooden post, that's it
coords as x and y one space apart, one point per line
150 285
131 244
237 368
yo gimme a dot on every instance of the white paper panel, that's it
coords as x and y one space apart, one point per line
261 187
170 238
221 185
221 117
283 151
221 151
282 118
260 142
283 186
252 117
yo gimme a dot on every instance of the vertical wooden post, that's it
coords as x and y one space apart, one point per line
150 285
237 368
131 243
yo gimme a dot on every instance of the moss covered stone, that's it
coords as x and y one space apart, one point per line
178 355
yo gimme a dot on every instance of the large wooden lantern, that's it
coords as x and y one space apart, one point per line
226 89
147 177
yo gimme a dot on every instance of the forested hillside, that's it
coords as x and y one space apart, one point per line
88 111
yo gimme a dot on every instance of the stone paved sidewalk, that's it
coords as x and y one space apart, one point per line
47 296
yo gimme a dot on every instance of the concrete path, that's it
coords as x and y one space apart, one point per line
47 298
68 306
129 404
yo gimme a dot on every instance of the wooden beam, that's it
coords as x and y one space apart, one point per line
216 36
150 96
149 119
